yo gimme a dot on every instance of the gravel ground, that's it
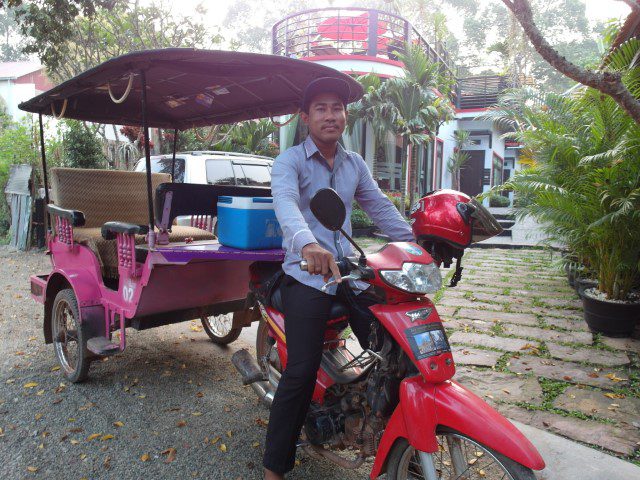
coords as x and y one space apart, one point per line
171 389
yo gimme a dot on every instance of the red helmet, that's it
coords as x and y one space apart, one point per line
453 218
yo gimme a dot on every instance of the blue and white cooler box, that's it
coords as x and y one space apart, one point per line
248 223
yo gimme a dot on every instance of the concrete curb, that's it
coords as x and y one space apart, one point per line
568 460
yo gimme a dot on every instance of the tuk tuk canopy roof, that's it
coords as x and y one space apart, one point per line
186 88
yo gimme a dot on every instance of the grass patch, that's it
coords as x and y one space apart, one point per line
506 291
551 389
501 364
445 281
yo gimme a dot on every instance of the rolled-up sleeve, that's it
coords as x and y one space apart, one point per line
286 202
378 206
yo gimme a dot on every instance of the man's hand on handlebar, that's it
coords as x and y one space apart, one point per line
320 262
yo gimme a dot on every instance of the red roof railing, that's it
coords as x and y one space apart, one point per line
351 32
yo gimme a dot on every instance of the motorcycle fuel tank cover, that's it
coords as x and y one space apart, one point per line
427 340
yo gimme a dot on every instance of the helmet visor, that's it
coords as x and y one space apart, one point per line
483 224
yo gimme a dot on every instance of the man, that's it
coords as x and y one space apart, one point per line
298 173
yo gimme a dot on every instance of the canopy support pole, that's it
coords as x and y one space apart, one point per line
44 173
151 236
173 160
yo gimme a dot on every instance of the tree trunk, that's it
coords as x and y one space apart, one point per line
404 175
413 176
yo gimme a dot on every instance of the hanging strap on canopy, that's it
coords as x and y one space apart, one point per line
209 136
64 109
284 124
126 92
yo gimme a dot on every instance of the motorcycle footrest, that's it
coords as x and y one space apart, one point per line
102 346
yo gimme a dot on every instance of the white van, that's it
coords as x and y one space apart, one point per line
213 168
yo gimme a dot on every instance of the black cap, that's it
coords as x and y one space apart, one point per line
325 85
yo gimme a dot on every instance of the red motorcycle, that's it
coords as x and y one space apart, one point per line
397 403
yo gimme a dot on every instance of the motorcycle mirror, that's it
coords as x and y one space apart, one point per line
327 206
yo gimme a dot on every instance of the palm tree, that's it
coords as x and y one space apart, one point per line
410 106
459 157
585 186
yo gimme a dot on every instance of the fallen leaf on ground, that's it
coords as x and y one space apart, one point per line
93 436
594 375
613 378
196 414
614 395
567 378
223 447
107 463
30 385
170 453
181 423
256 444
106 437
215 440
74 442
32 469
38 416
229 434
145 457
56 368
118 424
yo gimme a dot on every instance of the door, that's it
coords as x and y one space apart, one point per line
471 173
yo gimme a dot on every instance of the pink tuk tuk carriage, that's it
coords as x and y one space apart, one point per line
118 260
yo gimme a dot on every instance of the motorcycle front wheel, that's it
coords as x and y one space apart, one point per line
459 457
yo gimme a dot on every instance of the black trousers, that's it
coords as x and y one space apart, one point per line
306 312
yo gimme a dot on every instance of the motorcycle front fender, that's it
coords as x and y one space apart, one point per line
424 406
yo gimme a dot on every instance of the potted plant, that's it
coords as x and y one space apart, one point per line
584 187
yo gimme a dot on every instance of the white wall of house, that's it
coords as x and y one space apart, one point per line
15 93
445 133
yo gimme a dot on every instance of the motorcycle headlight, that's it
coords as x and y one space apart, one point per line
415 277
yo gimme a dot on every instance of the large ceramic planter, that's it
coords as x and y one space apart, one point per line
611 319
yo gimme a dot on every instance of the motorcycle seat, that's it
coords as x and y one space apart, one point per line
338 309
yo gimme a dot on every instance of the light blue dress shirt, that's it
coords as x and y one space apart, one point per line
297 174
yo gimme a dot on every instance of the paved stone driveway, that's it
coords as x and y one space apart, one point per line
520 342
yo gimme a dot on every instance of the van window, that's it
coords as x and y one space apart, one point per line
254 175
163 165
219 172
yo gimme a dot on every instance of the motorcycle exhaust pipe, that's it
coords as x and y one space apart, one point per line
318 452
253 375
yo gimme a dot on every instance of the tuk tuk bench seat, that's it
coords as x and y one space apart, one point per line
110 195
106 250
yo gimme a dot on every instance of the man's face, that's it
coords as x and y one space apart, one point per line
326 118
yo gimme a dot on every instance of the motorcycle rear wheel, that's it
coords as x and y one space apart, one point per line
459 458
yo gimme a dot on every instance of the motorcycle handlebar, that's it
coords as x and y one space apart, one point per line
345 266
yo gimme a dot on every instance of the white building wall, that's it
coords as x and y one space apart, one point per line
15 93
445 133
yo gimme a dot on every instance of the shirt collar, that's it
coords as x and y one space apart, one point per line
310 148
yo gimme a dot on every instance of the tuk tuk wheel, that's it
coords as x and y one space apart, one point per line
220 328
68 338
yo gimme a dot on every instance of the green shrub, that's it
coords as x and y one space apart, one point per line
359 219
498 201
81 147
16 146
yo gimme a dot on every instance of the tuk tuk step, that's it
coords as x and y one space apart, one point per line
102 346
